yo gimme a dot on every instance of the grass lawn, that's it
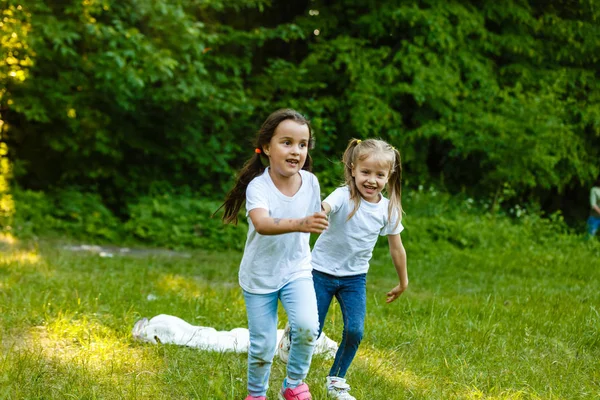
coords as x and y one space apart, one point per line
514 319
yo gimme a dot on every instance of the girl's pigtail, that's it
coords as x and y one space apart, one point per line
347 159
237 195
395 188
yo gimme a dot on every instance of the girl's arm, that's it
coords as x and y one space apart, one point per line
399 259
266 225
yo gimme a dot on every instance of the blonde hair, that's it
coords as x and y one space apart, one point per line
359 150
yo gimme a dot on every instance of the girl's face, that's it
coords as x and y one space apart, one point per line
371 176
288 148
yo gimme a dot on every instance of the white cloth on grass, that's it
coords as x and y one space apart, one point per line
169 329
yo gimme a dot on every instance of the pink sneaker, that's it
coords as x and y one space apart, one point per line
255 398
300 392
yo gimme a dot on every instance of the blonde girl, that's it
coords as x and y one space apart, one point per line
358 215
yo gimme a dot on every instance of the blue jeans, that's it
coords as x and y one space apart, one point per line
351 293
299 301
593 225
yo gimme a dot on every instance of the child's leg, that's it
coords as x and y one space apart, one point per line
325 289
352 296
300 303
262 327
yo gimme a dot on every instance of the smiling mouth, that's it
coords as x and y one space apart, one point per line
292 161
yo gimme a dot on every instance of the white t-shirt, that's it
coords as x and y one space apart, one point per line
271 261
346 247
595 200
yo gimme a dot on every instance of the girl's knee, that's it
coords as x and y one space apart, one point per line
308 330
306 323
261 355
263 347
354 334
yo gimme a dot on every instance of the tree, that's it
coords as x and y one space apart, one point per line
480 94
131 95
14 63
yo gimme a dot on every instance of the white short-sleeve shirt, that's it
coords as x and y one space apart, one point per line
346 247
271 261
595 200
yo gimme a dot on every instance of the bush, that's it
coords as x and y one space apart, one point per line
174 221
436 218
182 220
68 212
179 221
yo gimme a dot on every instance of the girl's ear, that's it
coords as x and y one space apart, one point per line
352 168
266 149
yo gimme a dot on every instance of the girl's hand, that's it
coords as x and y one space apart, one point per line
315 223
395 293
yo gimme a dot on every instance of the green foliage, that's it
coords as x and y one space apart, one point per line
71 213
185 221
182 222
15 53
115 95
438 219
7 206
477 94
173 221
135 89
14 63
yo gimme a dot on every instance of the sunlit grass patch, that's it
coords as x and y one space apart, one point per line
21 257
178 285
98 347
97 358
19 263
387 366
473 393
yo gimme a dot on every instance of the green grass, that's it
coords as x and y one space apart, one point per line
500 313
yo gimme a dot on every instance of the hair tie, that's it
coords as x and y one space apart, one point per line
257 150
358 141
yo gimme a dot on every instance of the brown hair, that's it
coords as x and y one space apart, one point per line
254 166
359 150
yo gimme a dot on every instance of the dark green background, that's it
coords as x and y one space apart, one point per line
494 99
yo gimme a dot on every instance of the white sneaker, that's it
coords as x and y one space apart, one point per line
283 348
337 388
